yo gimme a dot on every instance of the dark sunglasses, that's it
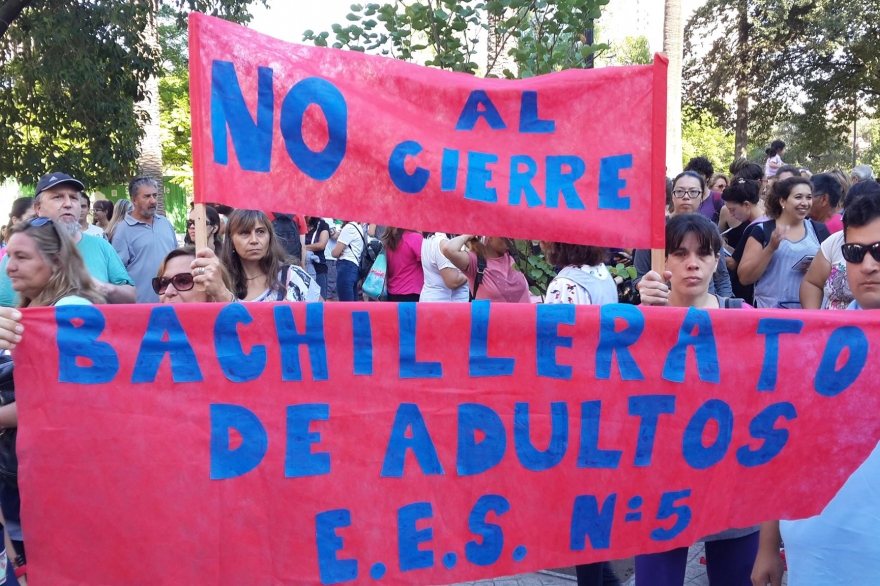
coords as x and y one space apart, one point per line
181 282
191 223
855 253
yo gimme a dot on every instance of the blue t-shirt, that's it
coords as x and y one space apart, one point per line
101 261
841 545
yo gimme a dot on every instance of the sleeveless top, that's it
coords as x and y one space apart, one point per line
780 283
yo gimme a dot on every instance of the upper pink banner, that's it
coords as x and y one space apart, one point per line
576 156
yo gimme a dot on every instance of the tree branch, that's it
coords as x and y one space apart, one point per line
9 12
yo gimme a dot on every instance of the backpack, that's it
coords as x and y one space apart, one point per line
729 302
769 226
372 250
288 233
374 284
478 279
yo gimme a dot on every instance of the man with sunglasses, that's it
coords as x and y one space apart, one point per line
57 198
842 544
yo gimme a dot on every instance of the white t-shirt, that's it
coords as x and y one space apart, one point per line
562 290
331 242
837 292
433 261
93 230
352 237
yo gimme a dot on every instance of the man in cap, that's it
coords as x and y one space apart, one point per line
143 238
57 198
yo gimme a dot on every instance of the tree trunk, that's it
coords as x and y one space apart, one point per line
741 138
9 11
150 148
497 59
673 47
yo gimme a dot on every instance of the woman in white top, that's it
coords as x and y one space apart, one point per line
443 280
348 251
259 267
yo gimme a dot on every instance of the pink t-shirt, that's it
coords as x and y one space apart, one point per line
835 223
405 274
501 282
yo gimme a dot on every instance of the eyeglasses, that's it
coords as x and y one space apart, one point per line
37 222
181 282
689 194
855 253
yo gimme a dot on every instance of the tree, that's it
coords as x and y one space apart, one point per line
629 51
541 35
702 137
742 75
673 48
70 76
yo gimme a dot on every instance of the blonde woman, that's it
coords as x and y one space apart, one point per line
46 268
122 207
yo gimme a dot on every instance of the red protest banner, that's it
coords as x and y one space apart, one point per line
323 444
576 156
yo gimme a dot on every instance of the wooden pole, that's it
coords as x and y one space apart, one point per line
201 232
658 261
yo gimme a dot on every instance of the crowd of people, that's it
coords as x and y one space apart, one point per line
768 236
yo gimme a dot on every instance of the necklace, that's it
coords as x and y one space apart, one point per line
257 277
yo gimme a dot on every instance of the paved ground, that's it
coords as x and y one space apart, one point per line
696 575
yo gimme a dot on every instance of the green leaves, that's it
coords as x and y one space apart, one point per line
540 36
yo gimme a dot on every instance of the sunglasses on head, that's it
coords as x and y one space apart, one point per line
181 282
37 222
855 253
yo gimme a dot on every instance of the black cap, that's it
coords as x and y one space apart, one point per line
50 180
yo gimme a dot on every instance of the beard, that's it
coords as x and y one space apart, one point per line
71 227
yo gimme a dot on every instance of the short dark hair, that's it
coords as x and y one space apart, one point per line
701 165
826 183
788 169
742 191
752 171
861 188
105 206
781 191
699 225
576 254
862 210
85 196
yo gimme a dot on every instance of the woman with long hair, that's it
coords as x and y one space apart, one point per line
181 273
779 251
22 209
406 277
122 207
693 250
102 212
46 268
489 267
259 267
212 224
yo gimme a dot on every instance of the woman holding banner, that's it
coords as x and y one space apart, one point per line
489 268
259 267
583 280
778 252
693 251
182 270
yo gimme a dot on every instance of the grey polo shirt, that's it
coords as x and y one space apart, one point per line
142 248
